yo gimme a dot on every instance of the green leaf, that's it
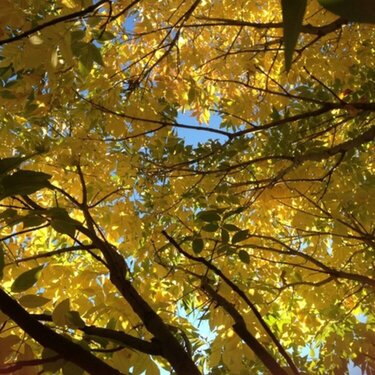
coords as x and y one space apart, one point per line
224 236
63 227
240 236
352 10
60 311
235 212
222 249
227 249
244 256
87 54
111 324
101 36
95 54
26 280
7 214
7 164
33 300
212 227
74 320
11 217
231 228
198 245
293 12
23 183
61 221
77 35
209 216
2 261
32 220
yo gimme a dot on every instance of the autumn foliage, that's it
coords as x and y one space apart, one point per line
127 246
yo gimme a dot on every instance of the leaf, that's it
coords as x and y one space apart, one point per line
224 236
227 249
244 256
9 213
77 35
352 10
293 12
63 227
23 183
7 164
74 320
60 311
26 280
70 368
111 324
2 261
61 221
104 36
212 227
33 300
36 40
231 228
54 366
11 217
240 236
95 54
54 58
32 220
71 4
209 216
198 245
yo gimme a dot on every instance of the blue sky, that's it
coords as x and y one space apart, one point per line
193 137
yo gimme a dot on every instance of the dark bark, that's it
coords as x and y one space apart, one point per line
49 339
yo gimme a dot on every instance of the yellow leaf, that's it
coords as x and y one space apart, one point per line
71 4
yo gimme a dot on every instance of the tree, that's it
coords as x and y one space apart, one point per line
120 240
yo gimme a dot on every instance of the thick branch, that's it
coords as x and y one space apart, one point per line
123 338
240 328
50 339
306 29
171 349
10 368
240 293
365 137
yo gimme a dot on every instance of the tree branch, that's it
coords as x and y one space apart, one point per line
152 348
50 339
240 293
54 21
240 328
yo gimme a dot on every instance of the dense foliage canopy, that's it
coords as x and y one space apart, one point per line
128 246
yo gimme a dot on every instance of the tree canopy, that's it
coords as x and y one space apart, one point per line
126 247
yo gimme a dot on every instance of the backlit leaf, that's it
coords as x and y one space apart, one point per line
23 183
240 236
198 245
244 256
33 300
59 313
26 280
7 164
74 320
212 227
209 216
